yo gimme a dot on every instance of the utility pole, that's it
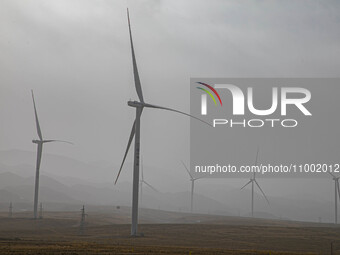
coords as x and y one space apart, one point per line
82 220
41 211
10 211
331 248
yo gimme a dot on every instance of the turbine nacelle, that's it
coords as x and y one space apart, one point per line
334 178
37 141
135 104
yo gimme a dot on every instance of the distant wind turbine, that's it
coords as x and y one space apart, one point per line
336 196
41 211
252 181
143 181
135 132
39 143
10 210
192 179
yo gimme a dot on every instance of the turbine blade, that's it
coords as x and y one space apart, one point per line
262 191
337 180
173 110
132 134
201 177
257 155
142 169
61 141
39 155
197 178
36 118
246 184
134 62
187 169
154 189
332 175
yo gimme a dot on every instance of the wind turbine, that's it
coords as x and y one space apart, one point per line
336 196
142 181
252 181
39 143
192 179
41 211
10 210
135 133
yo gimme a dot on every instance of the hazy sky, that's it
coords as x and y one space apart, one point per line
76 56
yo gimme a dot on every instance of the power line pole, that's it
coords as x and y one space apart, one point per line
82 220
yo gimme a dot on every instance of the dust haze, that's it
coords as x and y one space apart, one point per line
76 57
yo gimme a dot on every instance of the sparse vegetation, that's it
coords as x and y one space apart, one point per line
58 233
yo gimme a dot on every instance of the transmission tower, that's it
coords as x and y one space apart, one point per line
82 220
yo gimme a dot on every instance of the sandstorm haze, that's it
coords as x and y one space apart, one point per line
76 57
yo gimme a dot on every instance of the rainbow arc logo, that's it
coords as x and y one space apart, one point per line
209 93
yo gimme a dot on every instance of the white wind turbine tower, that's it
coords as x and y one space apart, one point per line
142 181
192 179
135 133
39 143
336 196
10 210
252 181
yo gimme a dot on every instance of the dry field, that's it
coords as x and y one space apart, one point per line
108 233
